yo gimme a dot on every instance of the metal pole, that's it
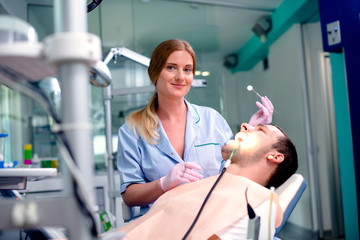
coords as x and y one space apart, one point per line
109 150
70 16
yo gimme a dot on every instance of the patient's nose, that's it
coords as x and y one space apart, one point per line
246 127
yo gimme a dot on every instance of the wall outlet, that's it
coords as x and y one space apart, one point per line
333 33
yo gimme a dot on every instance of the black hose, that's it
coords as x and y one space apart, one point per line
203 205
91 6
209 193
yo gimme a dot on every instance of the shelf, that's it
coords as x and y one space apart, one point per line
16 178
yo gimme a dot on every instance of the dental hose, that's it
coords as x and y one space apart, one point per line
226 165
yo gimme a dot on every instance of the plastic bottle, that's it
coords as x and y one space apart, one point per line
35 161
2 149
27 163
27 156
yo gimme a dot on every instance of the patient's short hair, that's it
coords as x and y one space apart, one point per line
287 167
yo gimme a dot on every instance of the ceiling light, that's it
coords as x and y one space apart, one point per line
205 73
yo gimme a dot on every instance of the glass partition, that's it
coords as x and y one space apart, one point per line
26 123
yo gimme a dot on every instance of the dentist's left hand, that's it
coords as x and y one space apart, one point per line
181 173
264 115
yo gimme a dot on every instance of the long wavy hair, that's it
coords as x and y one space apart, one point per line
144 122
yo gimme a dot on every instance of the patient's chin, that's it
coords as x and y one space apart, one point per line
232 143
226 151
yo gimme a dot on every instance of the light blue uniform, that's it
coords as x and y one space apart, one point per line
140 162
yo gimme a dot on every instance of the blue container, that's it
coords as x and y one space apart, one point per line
2 149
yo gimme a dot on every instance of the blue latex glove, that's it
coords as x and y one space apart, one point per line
181 173
264 115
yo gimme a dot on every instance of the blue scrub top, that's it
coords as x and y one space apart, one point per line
140 162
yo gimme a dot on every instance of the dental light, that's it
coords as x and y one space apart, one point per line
127 53
23 58
20 51
100 74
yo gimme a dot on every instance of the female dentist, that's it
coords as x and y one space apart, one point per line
171 141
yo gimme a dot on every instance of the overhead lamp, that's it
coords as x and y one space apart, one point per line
116 52
22 57
100 75
20 51
205 73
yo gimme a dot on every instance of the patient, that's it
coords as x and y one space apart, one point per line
265 157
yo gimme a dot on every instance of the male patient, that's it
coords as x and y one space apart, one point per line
265 157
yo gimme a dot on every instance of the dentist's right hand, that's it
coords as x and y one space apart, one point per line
181 173
265 113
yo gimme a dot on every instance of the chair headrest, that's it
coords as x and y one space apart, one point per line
289 194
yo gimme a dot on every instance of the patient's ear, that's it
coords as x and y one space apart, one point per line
275 157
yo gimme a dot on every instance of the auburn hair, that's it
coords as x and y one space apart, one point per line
144 122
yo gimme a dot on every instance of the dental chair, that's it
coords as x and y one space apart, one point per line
289 194
129 213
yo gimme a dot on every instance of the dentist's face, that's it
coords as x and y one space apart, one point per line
253 142
177 75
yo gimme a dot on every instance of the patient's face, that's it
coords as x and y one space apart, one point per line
252 142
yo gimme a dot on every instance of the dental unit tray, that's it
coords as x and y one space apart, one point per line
16 178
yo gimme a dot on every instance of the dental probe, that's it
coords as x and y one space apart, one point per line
250 88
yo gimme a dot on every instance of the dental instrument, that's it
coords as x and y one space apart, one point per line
250 88
254 221
272 191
